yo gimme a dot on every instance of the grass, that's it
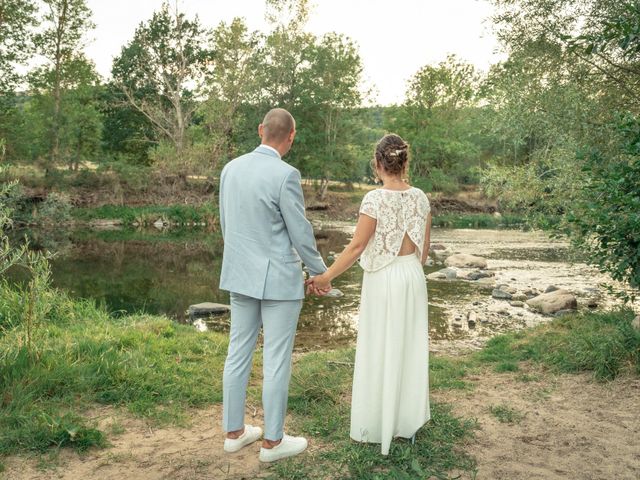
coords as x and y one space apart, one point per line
506 414
477 220
147 215
150 365
318 401
159 370
604 343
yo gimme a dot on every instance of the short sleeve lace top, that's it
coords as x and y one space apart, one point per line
397 212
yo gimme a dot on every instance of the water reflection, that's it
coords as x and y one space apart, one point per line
165 272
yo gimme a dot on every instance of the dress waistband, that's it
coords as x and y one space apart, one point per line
412 257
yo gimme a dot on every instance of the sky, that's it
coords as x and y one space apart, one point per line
395 37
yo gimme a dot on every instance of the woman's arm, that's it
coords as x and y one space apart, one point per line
427 240
365 229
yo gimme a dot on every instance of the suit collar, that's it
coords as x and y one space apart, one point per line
268 151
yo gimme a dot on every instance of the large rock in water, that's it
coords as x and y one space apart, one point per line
463 260
552 302
206 309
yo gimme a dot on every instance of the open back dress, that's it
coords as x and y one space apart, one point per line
390 396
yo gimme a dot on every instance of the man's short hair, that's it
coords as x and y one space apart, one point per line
277 125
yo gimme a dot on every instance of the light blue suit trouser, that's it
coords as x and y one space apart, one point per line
278 319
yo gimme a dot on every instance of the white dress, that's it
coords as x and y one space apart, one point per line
390 396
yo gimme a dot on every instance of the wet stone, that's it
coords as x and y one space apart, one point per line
206 309
499 294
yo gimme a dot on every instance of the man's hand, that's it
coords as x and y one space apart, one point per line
318 285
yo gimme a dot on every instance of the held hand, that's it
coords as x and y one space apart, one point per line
318 285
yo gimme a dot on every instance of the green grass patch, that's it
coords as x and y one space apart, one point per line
506 414
604 343
147 215
318 399
150 365
478 220
506 366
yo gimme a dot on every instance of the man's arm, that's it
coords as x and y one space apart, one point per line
221 202
299 228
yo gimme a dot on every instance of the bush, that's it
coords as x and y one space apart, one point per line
438 181
56 208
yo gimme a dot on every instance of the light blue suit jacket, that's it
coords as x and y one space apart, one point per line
265 230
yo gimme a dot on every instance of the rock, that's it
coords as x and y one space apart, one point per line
106 223
441 255
520 297
497 214
636 323
444 274
334 293
499 294
464 260
530 293
478 274
472 319
330 258
566 311
506 288
200 325
554 301
437 246
206 309
516 303
450 273
551 288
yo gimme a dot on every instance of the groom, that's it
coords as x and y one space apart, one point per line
265 234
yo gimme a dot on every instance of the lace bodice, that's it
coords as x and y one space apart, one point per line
397 212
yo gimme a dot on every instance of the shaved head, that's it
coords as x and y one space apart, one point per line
277 125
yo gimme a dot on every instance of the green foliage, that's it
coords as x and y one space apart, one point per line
441 121
149 364
604 343
605 219
161 71
175 214
15 35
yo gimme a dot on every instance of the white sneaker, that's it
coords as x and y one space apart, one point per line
288 447
250 435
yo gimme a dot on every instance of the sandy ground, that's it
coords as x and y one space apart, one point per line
570 428
140 452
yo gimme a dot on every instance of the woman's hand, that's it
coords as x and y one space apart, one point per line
318 285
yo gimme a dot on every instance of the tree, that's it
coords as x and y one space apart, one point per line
231 87
329 100
60 44
604 219
439 120
162 72
16 19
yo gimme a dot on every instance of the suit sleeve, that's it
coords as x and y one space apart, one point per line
221 202
299 228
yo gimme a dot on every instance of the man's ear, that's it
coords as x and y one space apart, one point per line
260 130
292 135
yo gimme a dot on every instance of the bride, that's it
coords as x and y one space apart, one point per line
390 396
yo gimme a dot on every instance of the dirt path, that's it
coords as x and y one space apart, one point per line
570 426
564 427
140 452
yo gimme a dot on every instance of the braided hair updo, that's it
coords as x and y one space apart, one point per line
392 154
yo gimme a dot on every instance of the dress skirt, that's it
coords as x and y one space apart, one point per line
390 396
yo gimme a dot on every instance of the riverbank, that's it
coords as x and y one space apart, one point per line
196 205
99 396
